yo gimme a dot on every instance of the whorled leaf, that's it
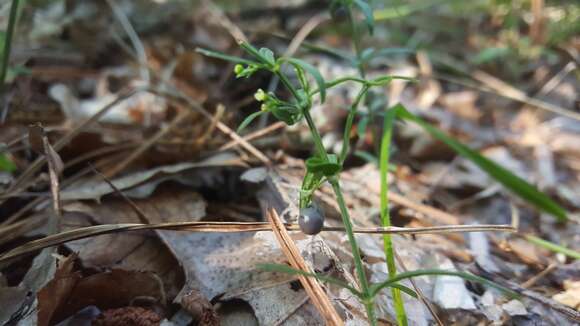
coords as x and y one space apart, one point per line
326 166
313 72
367 11
249 120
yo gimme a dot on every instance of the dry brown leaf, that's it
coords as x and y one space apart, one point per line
55 293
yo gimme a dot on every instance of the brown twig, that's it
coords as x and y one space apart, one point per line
254 135
314 290
148 144
177 96
226 227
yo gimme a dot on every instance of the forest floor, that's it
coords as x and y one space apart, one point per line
119 151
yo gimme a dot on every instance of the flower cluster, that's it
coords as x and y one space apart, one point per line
288 112
245 71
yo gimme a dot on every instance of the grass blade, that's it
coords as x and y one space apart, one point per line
405 289
278 268
389 121
514 183
376 288
8 42
553 247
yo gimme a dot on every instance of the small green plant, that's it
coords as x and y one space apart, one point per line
322 166
326 167
6 41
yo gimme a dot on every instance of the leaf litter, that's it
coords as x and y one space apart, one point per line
180 276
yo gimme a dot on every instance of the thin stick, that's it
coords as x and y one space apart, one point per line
508 91
534 279
182 96
148 144
254 135
133 37
314 290
227 227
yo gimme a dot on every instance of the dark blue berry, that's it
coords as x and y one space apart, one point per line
311 220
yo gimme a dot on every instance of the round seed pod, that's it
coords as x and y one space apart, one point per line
311 220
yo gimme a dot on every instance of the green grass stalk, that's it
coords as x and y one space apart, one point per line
385 216
8 43
384 166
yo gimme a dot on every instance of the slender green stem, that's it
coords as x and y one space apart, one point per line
386 220
369 306
8 43
354 247
380 81
385 216
315 135
288 85
553 247
349 122
313 130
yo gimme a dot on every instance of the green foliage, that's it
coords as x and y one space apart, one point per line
310 184
509 180
249 120
6 164
7 43
301 65
553 247
388 125
376 288
367 11
392 282
327 167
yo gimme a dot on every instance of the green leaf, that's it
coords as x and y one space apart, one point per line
254 52
405 290
366 56
278 268
249 120
310 183
491 54
512 182
312 71
376 288
326 167
385 153
268 55
287 113
361 128
368 13
219 55
6 164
